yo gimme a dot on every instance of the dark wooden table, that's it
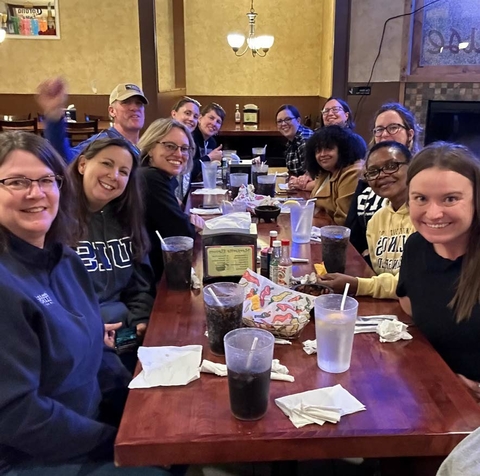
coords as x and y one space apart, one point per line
415 404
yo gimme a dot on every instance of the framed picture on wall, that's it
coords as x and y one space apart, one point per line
32 20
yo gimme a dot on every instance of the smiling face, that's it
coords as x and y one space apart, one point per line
105 176
209 124
287 123
392 186
334 115
29 213
173 163
187 114
327 158
442 209
403 135
128 115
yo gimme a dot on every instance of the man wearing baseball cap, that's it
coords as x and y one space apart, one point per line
126 109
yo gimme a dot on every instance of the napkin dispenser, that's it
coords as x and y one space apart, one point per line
228 252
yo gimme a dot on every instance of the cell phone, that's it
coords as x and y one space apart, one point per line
126 340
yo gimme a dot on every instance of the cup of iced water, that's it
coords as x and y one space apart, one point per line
249 353
334 329
334 247
177 261
209 174
301 218
223 309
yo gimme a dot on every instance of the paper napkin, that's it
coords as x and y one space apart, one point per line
318 406
167 366
392 331
206 211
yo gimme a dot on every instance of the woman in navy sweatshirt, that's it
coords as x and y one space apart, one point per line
54 363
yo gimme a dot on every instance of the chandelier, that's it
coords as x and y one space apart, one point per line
258 45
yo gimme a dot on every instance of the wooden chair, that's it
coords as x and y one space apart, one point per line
77 132
26 125
16 117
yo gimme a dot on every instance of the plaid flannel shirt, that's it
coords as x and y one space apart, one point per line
295 154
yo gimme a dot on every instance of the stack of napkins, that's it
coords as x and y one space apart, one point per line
167 366
318 406
279 371
205 211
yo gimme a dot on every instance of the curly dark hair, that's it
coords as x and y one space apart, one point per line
350 148
128 207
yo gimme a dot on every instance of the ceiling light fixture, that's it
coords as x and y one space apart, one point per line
258 45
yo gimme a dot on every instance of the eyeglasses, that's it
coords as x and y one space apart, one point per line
46 184
286 121
334 109
388 169
172 147
391 129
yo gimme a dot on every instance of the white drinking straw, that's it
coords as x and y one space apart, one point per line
162 240
344 298
250 354
214 296
310 200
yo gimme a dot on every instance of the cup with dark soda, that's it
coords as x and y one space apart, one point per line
334 247
258 169
177 261
249 353
224 310
236 181
266 185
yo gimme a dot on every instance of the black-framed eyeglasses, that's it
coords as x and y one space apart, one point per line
391 129
334 109
388 169
287 121
172 147
46 184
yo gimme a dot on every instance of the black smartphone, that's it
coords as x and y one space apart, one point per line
126 340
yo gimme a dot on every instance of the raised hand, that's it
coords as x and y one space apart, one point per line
216 154
52 97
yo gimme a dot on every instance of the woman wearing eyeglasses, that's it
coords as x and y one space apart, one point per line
56 369
387 231
332 158
289 124
167 149
114 244
392 122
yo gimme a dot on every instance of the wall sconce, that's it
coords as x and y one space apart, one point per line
258 45
3 26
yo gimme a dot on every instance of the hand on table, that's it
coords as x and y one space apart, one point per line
51 97
473 386
293 182
337 282
216 154
109 336
197 221
303 181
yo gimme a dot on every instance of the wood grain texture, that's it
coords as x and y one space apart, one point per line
416 406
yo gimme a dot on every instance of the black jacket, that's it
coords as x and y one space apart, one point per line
125 288
163 213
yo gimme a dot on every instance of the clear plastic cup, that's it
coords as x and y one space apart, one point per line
301 219
334 331
259 152
258 169
223 311
236 181
177 261
334 247
266 185
249 353
209 173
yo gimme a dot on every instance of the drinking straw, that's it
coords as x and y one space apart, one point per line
344 298
310 200
250 353
214 296
162 240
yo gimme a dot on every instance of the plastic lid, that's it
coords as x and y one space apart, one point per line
277 243
285 242
274 233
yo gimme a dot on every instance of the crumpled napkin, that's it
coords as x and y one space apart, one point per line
279 371
392 331
196 284
315 234
305 279
318 406
167 366
310 346
205 211
209 191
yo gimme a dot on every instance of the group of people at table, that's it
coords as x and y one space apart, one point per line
80 257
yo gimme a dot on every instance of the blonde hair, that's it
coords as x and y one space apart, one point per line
156 132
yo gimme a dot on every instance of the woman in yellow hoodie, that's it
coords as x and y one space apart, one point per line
388 229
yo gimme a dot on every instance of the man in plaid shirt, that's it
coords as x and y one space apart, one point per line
288 123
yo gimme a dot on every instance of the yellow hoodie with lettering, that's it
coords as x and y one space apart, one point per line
387 232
